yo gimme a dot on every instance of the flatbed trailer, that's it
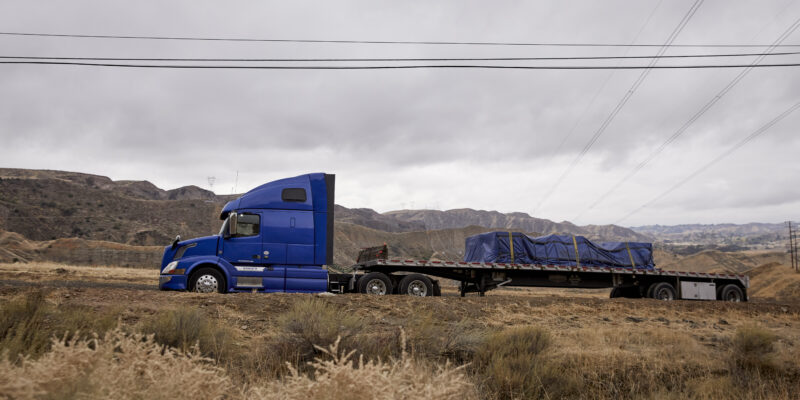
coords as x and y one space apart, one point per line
373 274
278 237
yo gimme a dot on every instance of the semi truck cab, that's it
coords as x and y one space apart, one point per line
277 237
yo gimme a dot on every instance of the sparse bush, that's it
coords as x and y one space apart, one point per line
27 325
316 322
117 366
340 377
22 326
515 364
184 328
753 350
432 337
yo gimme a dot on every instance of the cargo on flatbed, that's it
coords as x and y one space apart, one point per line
278 237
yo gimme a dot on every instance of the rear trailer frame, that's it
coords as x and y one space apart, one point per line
626 282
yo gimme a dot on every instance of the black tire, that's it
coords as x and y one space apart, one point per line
416 285
437 290
663 291
731 293
615 292
375 283
210 279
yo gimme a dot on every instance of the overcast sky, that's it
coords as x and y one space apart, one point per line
444 138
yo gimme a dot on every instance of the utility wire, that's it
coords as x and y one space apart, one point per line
605 82
714 161
432 66
400 59
425 42
685 20
691 120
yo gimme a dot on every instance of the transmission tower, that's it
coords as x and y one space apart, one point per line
211 180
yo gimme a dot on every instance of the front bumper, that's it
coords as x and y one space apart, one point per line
172 282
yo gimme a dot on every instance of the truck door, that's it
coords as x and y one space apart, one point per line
249 255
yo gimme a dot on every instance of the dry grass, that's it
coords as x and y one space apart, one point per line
338 376
28 324
185 328
532 345
118 366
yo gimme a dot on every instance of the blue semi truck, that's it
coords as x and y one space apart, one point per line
278 237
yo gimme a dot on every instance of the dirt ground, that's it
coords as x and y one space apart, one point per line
136 292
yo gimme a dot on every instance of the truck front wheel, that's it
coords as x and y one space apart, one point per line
207 280
416 285
375 283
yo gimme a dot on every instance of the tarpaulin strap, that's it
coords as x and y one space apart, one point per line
577 257
511 244
633 264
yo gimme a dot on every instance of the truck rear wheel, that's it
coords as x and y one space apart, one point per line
207 280
416 285
375 283
663 291
732 293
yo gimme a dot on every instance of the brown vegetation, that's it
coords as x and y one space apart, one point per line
512 344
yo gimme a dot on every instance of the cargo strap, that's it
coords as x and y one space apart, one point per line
633 264
511 245
577 257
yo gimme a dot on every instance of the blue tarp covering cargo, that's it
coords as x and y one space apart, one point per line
496 247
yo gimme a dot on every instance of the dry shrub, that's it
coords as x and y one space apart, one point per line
22 326
340 377
753 350
436 338
515 364
27 325
185 327
317 323
117 366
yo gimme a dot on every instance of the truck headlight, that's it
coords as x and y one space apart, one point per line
169 268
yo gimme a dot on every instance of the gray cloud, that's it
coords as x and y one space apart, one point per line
437 138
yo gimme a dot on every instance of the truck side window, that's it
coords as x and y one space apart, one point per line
294 194
248 225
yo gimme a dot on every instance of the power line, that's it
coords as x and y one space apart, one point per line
403 42
675 32
401 59
694 118
605 82
715 160
431 66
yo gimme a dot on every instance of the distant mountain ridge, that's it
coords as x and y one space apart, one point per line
459 218
751 235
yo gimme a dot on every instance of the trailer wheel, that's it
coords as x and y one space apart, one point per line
663 291
416 285
650 289
375 283
437 290
732 293
207 280
615 292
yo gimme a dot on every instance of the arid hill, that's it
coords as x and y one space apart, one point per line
775 280
459 218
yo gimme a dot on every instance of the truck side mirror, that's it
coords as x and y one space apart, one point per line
234 218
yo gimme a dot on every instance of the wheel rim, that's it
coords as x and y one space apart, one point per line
733 297
664 294
376 286
417 288
206 284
